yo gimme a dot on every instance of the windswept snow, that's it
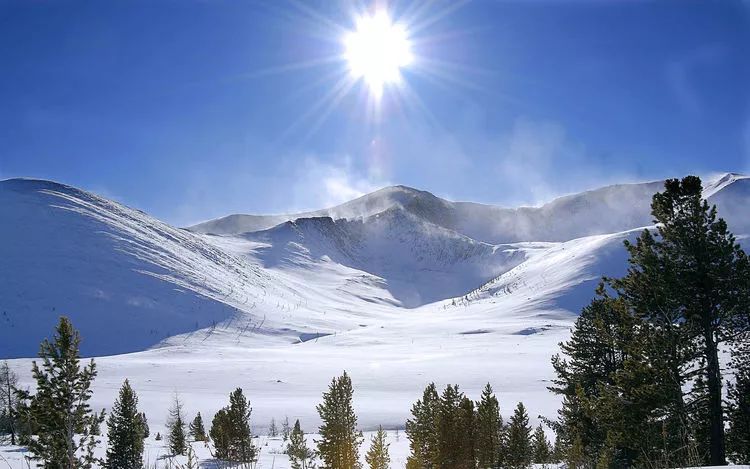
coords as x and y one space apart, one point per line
398 287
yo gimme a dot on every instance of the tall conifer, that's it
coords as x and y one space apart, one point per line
125 431
339 442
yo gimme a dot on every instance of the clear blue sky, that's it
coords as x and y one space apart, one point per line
191 110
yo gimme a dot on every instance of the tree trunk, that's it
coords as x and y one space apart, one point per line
716 440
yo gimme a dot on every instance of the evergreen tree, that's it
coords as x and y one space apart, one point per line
540 447
591 357
738 433
242 439
488 430
176 427
221 434
519 439
197 430
230 430
285 430
125 431
377 456
272 430
339 442
144 424
422 430
450 450
59 413
300 455
558 449
466 434
630 357
712 288
8 402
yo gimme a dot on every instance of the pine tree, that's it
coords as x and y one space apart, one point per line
422 430
230 430
450 450
377 456
466 434
519 439
631 356
712 288
488 429
738 396
300 455
96 424
59 412
242 439
125 431
540 447
144 425
176 427
339 442
558 449
272 430
8 402
221 434
197 430
285 430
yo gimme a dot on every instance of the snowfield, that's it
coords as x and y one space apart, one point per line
399 288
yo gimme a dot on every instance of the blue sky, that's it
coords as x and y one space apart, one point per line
195 109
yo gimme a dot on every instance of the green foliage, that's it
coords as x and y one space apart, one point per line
442 430
339 442
738 434
230 431
300 455
652 334
8 404
59 413
197 430
377 456
541 451
519 453
143 421
125 431
489 428
176 426
421 430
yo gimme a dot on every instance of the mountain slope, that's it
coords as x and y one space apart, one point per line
131 282
420 262
126 280
562 219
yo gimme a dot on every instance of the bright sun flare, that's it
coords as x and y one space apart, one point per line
377 50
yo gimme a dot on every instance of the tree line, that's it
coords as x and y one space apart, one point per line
61 429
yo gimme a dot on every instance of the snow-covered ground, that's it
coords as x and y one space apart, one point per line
398 288
271 453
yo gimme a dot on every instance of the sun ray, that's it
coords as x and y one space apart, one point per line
344 83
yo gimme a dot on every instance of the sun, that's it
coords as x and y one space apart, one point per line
377 50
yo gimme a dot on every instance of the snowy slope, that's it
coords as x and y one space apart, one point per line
420 262
399 288
127 280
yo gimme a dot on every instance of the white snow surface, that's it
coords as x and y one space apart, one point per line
399 287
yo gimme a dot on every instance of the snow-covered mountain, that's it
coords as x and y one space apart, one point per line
399 287
131 282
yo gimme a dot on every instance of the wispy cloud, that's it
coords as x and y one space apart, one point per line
680 75
319 183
